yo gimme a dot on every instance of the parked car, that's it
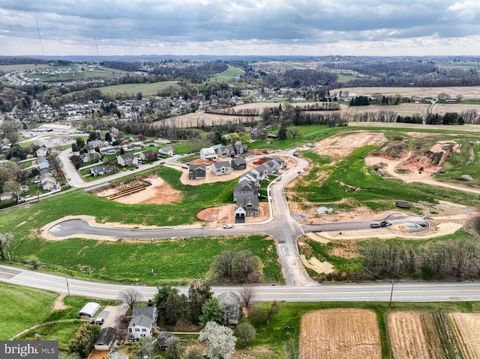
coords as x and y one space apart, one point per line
97 320
227 226
385 224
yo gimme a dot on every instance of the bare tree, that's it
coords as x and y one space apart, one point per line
5 240
247 294
130 296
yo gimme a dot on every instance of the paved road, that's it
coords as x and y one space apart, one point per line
403 292
75 180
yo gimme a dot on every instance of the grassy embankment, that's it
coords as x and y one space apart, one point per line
174 261
26 307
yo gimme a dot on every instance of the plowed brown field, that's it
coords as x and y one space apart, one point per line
340 334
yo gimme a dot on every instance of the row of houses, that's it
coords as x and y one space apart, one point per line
245 193
221 168
223 151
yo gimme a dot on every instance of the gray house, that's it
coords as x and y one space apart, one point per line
196 171
246 205
245 188
221 168
240 148
239 163
106 339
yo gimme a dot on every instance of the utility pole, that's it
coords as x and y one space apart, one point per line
68 286
391 294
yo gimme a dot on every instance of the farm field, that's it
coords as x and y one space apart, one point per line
79 74
146 89
340 333
468 92
403 109
275 336
230 74
443 108
418 335
22 67
467 333
199 119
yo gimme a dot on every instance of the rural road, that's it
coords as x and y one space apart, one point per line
403 292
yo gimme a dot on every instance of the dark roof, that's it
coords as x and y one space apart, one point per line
194 167
239 161
146 311
141 320
247 199
107 336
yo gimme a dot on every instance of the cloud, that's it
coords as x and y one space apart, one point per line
133 25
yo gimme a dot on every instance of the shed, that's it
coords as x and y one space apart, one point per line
89 310
106 339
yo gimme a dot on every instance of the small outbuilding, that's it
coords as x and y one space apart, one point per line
89 310
106 339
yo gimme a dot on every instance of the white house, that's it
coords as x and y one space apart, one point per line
208 154
126 160
142 323
221 168
166 151
48 182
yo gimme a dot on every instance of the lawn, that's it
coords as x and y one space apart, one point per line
147 89
174 261
229 74
22 308
63 332
285 325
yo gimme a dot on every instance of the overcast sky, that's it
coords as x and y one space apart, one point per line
250 27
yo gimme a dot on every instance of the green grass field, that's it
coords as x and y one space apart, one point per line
22 308
147 89
466 162
63 332
80 73
174 261
229 74
353 183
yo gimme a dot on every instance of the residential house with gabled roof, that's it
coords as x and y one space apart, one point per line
221 168
196 171
239 163
142 323
126 159
42 163
102 170
208 154
106 339
166 151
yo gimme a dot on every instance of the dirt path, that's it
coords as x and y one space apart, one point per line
59 304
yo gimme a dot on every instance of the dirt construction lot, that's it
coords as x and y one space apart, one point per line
413 335
225 214
156 191
342 146
340 334
467 327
